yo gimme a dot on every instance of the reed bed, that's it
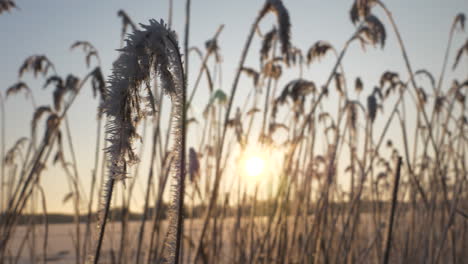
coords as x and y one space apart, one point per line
356 172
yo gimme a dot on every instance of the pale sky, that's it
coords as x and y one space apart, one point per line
50 26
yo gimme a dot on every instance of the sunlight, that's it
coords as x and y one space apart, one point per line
254 166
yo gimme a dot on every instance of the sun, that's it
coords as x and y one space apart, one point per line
254 166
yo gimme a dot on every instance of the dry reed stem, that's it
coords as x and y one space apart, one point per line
392 212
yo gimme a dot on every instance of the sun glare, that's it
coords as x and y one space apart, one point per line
254 166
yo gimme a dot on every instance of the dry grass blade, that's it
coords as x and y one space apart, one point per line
352 111
253 74
89 49
422 96
98 83
212 47
18 87
390 78
339 83
267 43
428 75
352 116
296 90
40 111
360 9
296 56
54 79
126 21
372 107
37 64
318 51
358 85
71 83
236 123
284 24
85 45
374 31
7 5
439 103
456 86
61 88
396 183
194 165
460 20
253 111
460 52
51 125
275 126
272 70
354 13
11 153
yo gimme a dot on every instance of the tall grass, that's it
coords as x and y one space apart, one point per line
347 182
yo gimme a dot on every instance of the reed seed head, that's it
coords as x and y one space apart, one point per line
7 5
36 64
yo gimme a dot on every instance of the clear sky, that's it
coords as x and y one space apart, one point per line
50 26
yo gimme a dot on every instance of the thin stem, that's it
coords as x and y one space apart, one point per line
20 197
186 38
93 186
214 194
202 68
181 108
392 212
447 52
2 161
107 204
149 183
169 18
412 79
77 191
